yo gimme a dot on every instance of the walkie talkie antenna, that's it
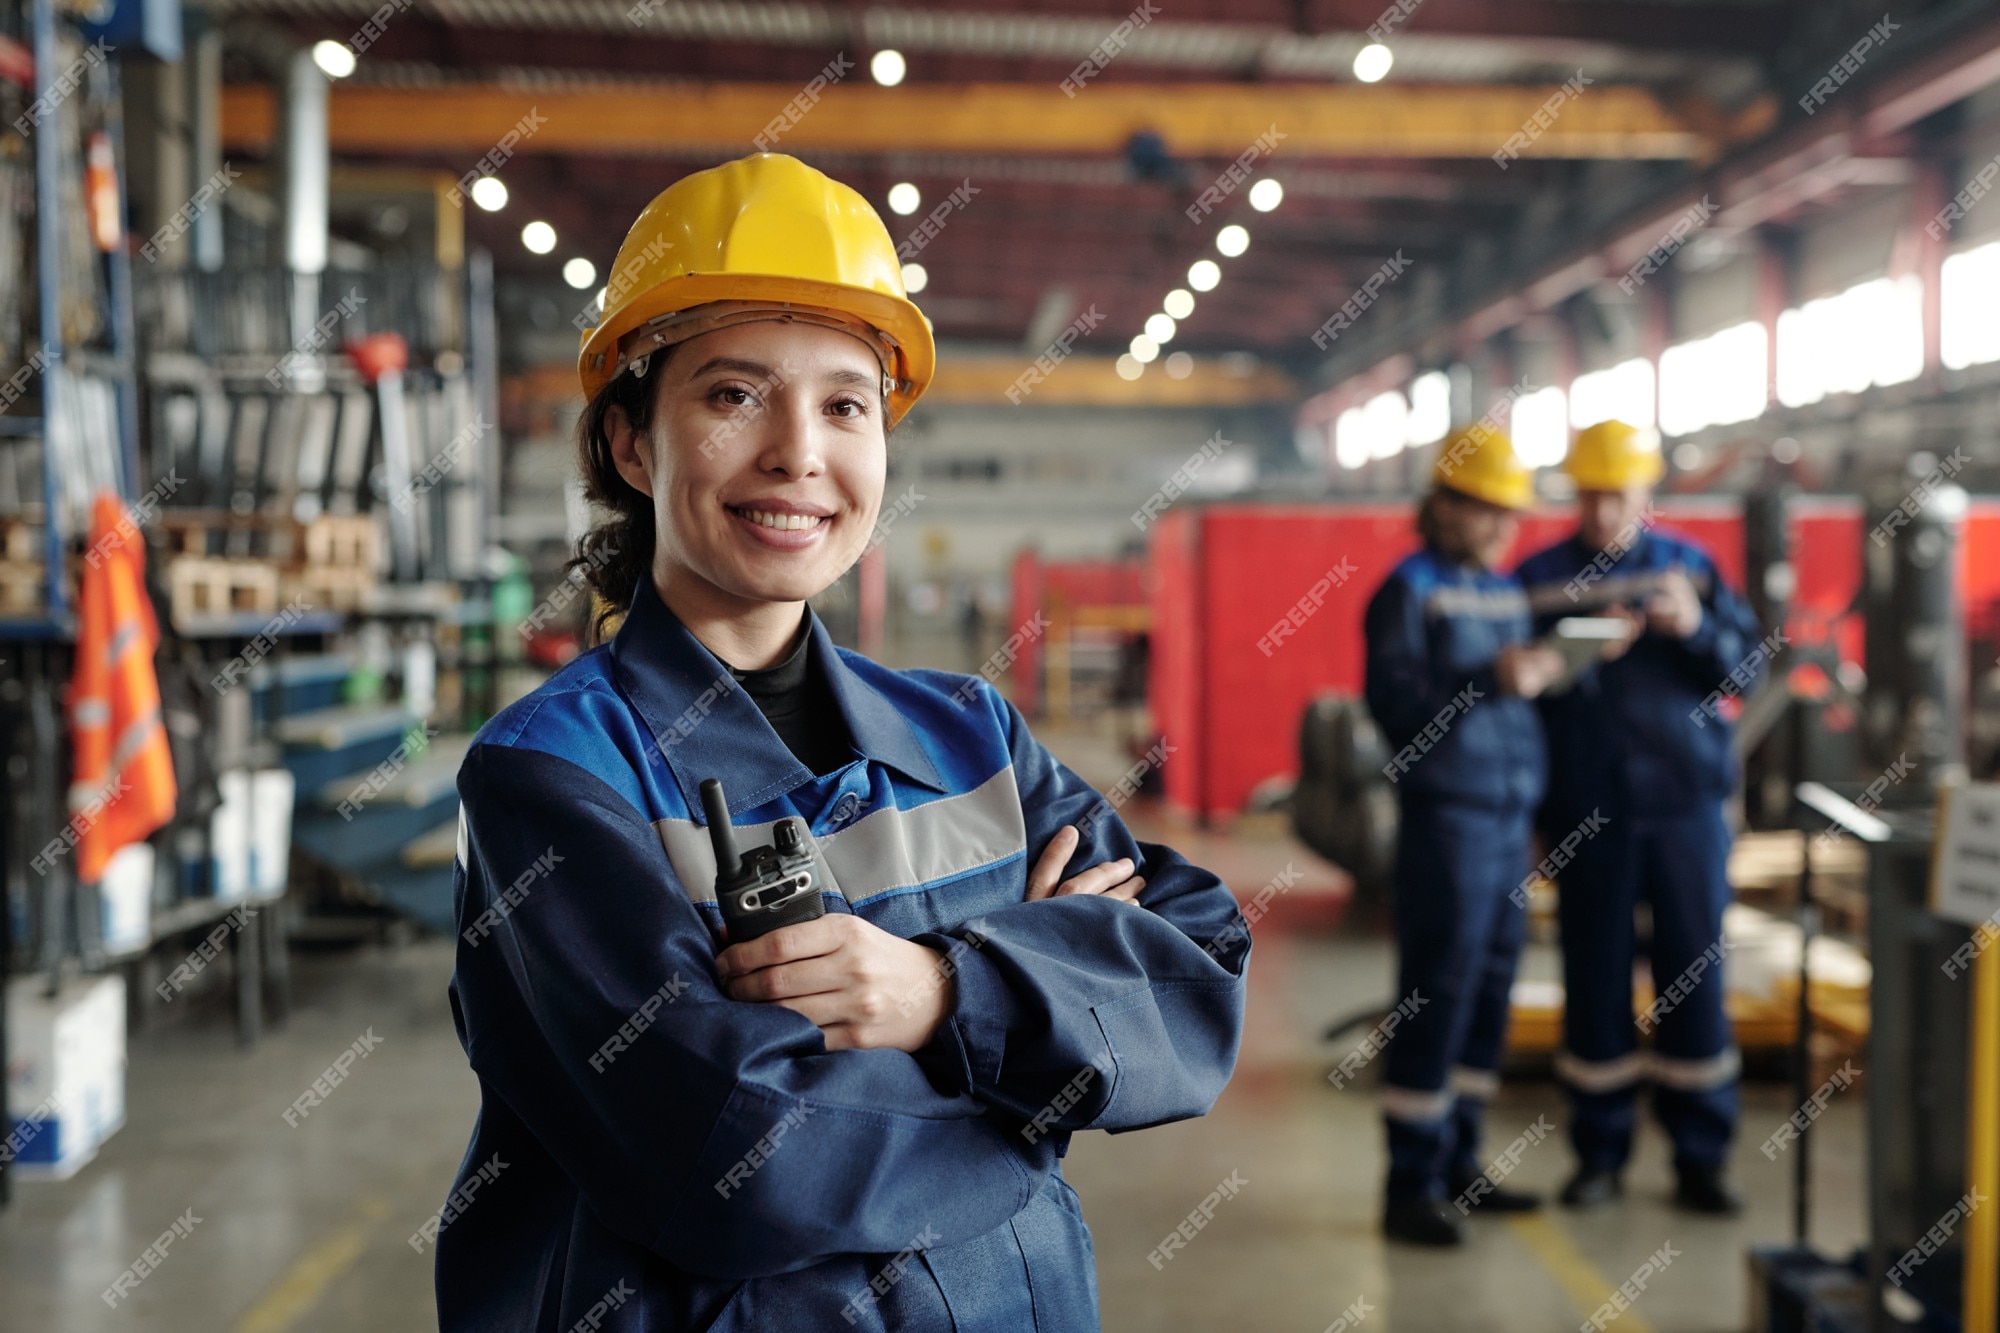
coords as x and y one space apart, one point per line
720 832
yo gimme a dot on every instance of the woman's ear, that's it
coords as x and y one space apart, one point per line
631 451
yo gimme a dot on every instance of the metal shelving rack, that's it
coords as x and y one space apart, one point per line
50 632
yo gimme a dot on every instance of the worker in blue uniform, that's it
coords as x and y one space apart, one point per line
1450 676
1640 757
849 1122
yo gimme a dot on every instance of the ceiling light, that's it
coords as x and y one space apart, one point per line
1232 240
1266 195
336 60
1129 367
1160 328
1179 366
539 237
1203 274
1372 61
1179 302
888 67
490 193
579 273
915 278
904 198
1144 349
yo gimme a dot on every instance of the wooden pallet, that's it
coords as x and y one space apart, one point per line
342 541
20 541
20 587
219 534
333 587
207 586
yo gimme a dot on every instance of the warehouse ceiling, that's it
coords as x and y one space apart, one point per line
1080 201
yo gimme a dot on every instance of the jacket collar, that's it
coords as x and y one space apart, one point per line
707 726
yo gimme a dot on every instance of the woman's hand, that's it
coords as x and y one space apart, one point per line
865 988
1112 879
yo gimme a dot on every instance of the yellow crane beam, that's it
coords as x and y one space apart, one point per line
1339 120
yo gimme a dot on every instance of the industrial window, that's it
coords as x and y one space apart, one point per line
1623 392
1968 293
1430 409
1541 427
1714 381
1872 333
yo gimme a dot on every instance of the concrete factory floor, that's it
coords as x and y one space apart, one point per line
306 1228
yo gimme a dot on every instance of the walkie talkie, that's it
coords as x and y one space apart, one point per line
766 887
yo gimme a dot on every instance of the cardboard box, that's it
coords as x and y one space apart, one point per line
272 791
126 897
65 1087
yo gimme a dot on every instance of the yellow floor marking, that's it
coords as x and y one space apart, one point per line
295 1294
1587 1287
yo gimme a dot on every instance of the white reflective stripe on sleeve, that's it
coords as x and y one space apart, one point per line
94 711
1601 1075
464 840
882 851
1715 1071
1415 1104
1478 1084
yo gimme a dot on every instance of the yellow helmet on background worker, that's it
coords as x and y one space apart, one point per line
1611 456
763 237
1480 462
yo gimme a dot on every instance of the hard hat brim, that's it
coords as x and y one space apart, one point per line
597 359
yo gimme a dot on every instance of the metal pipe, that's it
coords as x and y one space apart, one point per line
205 107
308 165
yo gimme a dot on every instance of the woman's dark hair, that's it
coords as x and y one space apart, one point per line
616 553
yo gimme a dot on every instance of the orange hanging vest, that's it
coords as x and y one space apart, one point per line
124 786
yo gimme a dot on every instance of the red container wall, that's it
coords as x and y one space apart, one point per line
1227 574
1173 684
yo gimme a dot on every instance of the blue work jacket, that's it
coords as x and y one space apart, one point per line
1433 629
673 1159
1646 734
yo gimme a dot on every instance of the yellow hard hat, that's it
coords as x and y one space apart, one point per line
1612 455
748 237
1481 462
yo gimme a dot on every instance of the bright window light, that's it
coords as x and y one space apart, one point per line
1203 274
1385 421
1350 438
1623 392
1160 328
1232 240
1714 381
1969 293
1541 427
1266 195
1179 303
1430 409
1869 334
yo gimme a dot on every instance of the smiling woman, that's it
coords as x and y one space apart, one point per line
762 1132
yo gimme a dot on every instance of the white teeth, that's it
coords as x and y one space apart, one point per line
783 521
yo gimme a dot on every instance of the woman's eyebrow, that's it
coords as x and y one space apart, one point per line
758 370
735 363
